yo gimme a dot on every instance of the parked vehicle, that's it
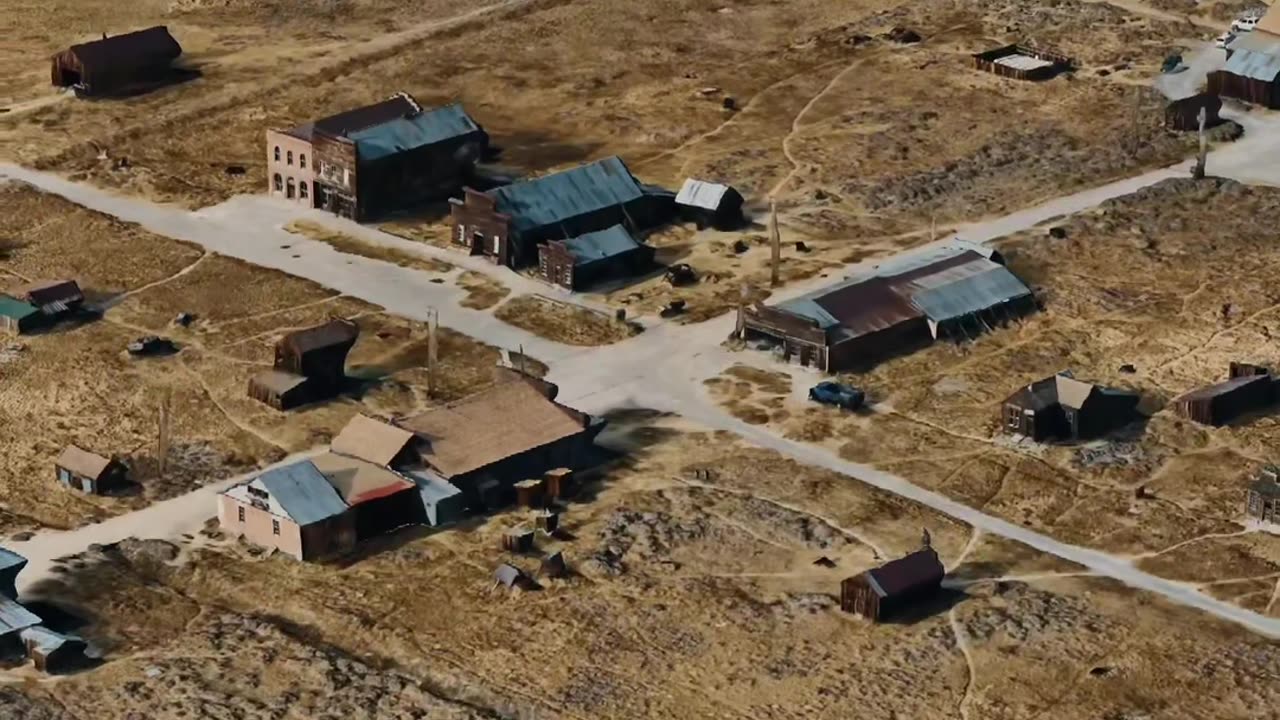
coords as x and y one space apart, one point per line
152 345
837 394
1224 40
1246 22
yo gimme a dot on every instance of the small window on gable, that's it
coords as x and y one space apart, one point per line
241 509
275 527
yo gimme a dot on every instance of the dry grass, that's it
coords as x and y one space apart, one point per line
562 322
483 292
352 245
705 587
76 384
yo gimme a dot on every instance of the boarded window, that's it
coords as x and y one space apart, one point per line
302 160
302 189
288 192
277 153
289 157
241 509
275 527
278 182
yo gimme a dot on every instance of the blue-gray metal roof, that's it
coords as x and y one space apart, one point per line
10 559
303 492
431 487
1254 65
45 639
601 244
414 131
807 307
971 294
568 194
15 617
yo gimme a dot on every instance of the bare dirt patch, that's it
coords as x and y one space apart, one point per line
562 322
483 292
352 245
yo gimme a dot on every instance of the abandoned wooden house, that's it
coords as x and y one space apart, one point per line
293 509
485 443
1252 76
1223 402
881 593
579 262
11 563
1262 497
53 652
118 64
376 159
1184 114
80 469
53 298
1023 62
310 365
14 619
955 290
1061 407
508 223
380 499
18 317
710 205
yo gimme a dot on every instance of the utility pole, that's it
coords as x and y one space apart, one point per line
775 242
432 322
162 436
741 330
1137 102
1198 171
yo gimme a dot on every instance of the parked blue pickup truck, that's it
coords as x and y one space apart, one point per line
837 394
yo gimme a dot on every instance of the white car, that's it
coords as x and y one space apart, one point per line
1223 40
1245 23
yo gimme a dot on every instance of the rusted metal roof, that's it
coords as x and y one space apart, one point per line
358 481
349 121
506 420
139 47
371 440
333 333
897 577
82 462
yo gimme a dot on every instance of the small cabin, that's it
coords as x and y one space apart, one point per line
88 472
881 593
1061 407
710 205
1262 497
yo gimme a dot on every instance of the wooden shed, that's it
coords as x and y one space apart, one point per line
1184 114
280 390
1065 408
118 63
1221 403
318 353
1249 75
579 262
710 204
53 652
1023 62
880 593
89 472
18 317
1262 497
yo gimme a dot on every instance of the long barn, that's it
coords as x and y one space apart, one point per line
118 63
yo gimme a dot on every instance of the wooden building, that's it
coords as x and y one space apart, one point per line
587 259
11 564
18 317
1062 407
1262 497
376 442
80 469
1221 403
881 593
508 223
118 64
956 290
1249 75
710 205
310 365
52 652
367 162
485 443
1184 114
293 509
1023 62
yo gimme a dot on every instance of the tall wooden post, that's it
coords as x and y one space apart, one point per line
432 358
162 435
741 330
1198 171
775 242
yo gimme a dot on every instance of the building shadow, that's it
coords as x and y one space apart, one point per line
936 604
176 76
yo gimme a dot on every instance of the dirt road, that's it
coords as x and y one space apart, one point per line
661 368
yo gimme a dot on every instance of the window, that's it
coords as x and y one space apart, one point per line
278 182
302 189
289 157
288 192
277 153
241 509
302 160
495 245
275 527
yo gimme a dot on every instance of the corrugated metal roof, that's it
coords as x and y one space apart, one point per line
132 48
16 309
905 574
359 118
970 295
1254 65
10 559
1225 388
431 486
415 131
1256 41
15 617
303 492
568 194
358 481
334 332
45 640
601 244
52 292
702 194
